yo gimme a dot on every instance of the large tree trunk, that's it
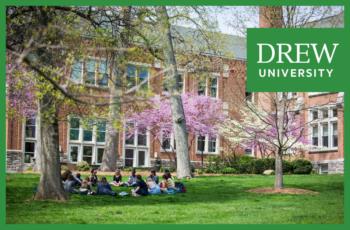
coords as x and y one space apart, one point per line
279 170
50 186
109 159
178 115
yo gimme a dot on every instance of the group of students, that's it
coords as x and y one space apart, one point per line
153 186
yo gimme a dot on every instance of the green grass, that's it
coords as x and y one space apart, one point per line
221 199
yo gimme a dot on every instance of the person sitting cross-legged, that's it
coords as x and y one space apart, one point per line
132 179
141 188
103 188
117 179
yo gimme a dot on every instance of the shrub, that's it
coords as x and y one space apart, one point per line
245 164
259 166
301 166
83 166
228 170
287 167
215 163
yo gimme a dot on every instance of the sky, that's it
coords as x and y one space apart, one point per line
235 19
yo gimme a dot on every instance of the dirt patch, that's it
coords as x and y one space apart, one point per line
294 191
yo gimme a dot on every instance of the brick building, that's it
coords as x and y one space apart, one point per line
227 83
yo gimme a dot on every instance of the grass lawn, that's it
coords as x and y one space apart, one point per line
216 199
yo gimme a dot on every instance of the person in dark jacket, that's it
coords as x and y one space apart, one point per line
69 184
93 177
141 188
103 188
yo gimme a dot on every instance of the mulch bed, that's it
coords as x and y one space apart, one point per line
293 191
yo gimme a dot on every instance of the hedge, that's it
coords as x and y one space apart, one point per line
250 165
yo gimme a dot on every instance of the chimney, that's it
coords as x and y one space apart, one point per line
270 17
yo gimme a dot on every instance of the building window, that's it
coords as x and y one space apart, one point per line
323 168
213 86
101 131
87 131
335 134
90 72
325 135
206 144
86 141
137 75
287 95
168 142
29 140
74 153
208 86
315 135
29 151
95 72
129 137
99 155
202 85
87 154
324 128
77 72
74 129
30 128
142 137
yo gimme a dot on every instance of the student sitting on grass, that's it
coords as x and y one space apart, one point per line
65 175
153 187
69 183
141 188
103 188
85 187
168 185
132 179
153 176
117 179
93 177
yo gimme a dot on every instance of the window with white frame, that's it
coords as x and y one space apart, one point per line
208 145
94 72
168 142
135 146
287 95
86 140
29 140
208 86
136 75
135 137
324 128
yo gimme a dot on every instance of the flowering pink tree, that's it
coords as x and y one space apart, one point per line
278 131
203 115
20 92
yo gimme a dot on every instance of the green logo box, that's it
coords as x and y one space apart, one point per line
297 59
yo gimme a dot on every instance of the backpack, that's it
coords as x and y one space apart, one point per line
180 186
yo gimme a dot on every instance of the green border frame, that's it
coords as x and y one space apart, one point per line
4 3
